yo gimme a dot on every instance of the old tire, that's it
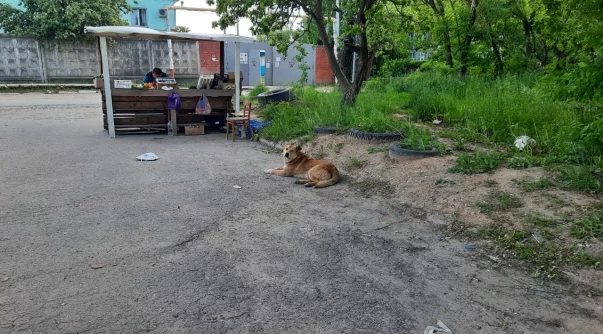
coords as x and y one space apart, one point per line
404 154
325 130
275 96
374 137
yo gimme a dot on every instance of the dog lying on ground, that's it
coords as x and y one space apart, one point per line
312 173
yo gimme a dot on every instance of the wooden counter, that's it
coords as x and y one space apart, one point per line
147 108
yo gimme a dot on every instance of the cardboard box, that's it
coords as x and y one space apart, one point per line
194 130
231 77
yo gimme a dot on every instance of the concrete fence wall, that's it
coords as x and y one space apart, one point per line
29 60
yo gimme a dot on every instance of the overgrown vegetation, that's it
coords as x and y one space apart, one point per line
418 139
496 111
536 243
478 162
371 113
257 90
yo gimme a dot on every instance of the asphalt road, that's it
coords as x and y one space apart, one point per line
179 249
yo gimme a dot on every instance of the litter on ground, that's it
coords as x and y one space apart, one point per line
442 328
522 141
147 157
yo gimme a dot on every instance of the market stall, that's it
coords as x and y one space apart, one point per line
147 108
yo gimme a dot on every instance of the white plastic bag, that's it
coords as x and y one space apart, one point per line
147 157
522 141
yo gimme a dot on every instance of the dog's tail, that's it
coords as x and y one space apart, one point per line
325 183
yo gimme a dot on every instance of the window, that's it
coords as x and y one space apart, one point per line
138 17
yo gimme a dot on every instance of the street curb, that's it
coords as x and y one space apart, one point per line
270 144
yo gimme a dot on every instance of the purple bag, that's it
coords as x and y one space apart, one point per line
173 101
203 107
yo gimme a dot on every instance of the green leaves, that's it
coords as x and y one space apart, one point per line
60 19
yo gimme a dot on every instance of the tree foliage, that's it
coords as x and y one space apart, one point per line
60 19
364 20
561 39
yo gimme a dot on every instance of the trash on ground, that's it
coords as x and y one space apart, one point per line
256 126
97 266
437 121
237 187
522 141
442 328
147 157
4 279
468 247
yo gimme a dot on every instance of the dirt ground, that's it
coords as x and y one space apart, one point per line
93 241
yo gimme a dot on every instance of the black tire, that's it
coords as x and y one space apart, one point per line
325 130
275 96
397 152
378 137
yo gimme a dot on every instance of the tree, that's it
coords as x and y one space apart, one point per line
439 10
366 20
60 19
182 29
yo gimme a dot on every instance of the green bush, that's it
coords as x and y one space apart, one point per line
479 162
257 90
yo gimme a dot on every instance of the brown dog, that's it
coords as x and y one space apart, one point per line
313 173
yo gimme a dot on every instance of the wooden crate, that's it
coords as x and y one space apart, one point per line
194 130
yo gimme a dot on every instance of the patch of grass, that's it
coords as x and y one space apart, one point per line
257 90
354 162
338 148
589 227
521 162
372 150
499 201
541 222
444 181
372 113
539 249
579 178
543 183
498 110
478 162
418 139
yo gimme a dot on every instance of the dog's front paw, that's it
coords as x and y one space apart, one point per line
268 171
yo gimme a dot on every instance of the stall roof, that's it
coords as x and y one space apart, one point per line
147 33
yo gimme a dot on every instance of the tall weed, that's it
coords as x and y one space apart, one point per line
498 110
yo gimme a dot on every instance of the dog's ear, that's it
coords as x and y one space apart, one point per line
298 148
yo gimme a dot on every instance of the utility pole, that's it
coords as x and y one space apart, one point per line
336 33
169 42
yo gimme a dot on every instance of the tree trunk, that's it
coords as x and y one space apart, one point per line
498 63
346 57
439 11
349 89
465 47
448 48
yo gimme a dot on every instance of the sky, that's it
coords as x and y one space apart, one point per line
200 22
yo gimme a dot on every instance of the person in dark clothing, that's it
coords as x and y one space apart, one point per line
151 76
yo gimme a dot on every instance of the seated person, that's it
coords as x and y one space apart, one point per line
151 76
